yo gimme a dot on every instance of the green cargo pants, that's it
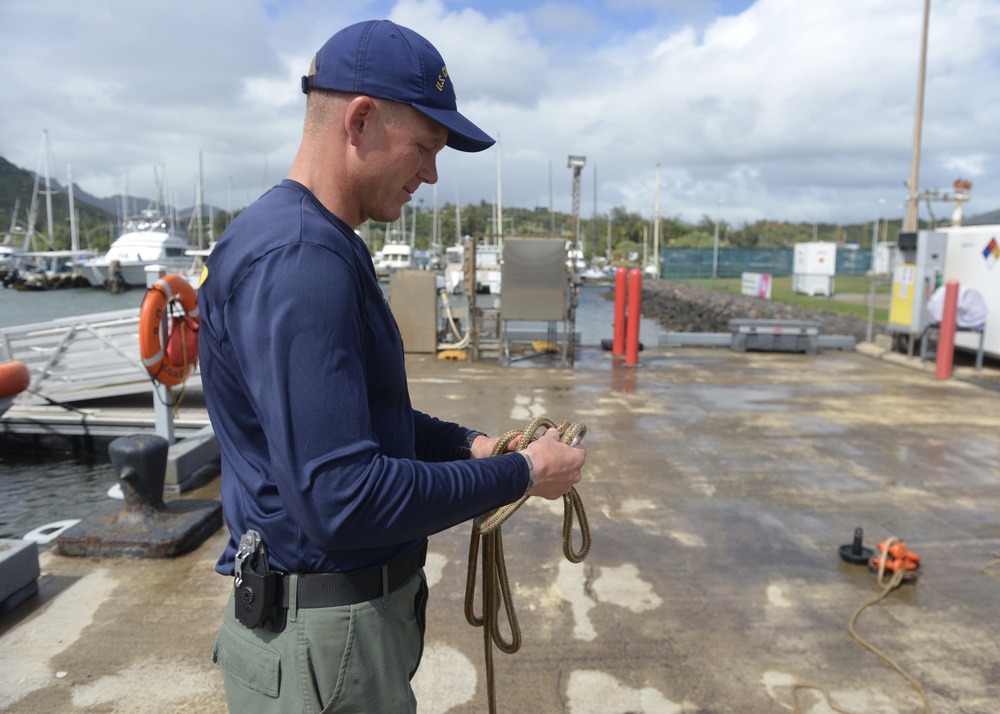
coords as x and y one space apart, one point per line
335 660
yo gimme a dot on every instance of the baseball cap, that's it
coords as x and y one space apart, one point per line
382 59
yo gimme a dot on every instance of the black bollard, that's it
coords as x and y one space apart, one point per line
855 552
140 461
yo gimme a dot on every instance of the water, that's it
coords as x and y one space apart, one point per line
40 488
21 307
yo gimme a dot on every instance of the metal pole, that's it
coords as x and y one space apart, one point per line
715 250
911 221
656 223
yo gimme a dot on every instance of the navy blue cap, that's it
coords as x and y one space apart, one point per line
381 59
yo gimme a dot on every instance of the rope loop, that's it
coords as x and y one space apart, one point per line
486 532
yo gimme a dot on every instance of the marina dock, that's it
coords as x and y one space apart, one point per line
719 488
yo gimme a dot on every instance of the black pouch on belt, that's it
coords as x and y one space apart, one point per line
256 586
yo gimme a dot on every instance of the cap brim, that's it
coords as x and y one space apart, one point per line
463 135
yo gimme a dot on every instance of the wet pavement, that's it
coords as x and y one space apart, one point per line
719 487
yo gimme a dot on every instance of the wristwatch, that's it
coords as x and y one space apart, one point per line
465 447
531 473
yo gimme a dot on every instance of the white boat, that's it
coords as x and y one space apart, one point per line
191 271
488 272
489 257
454 268
150 238
394 256
575 262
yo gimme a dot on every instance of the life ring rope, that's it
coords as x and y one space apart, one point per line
166 292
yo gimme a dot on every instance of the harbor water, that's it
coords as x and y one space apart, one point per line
22 307
37 488
41 488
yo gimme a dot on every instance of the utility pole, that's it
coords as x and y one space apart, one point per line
911 220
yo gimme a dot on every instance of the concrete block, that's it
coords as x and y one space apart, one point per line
774 335
187 457
19 572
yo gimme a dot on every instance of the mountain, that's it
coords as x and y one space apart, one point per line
98 218
95 224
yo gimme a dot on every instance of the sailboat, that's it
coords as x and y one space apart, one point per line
42 268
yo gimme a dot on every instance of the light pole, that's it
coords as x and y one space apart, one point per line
715 250
576 163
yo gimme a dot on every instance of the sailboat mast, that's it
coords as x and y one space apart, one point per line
48 190
201 197
499 194
74 236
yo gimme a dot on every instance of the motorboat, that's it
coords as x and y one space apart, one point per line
151 238
489 259
192 270
575 262
488 270
393 257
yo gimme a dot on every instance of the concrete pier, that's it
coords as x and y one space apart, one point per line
719 488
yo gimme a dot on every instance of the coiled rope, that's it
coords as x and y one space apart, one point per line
486 528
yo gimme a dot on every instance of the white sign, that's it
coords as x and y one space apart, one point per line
757 284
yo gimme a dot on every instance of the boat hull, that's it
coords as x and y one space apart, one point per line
134 273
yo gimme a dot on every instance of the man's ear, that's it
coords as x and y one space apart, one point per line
358 118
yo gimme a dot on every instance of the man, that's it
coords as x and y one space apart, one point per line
323 457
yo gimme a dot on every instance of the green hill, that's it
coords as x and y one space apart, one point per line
95 225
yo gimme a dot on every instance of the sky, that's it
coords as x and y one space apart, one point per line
737 109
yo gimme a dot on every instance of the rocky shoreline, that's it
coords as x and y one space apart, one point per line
688 308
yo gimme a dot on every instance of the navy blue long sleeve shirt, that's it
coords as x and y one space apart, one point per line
304 379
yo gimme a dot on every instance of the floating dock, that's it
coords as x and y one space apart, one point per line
89 387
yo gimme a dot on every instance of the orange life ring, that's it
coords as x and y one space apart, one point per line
14 378
166 367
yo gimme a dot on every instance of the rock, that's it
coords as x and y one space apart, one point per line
689 308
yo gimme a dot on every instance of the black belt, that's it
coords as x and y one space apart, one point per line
337 589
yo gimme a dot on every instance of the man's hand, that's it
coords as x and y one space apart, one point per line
558 466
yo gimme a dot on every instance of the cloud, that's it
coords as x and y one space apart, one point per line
785 110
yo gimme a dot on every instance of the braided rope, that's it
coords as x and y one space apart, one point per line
486 529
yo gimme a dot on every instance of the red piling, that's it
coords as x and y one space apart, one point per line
618 344
946 333
634 314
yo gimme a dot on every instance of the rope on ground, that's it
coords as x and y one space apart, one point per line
990 567
486 531
887 587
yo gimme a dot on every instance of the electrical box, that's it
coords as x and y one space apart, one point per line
413 301
534 279
814 268
919 270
